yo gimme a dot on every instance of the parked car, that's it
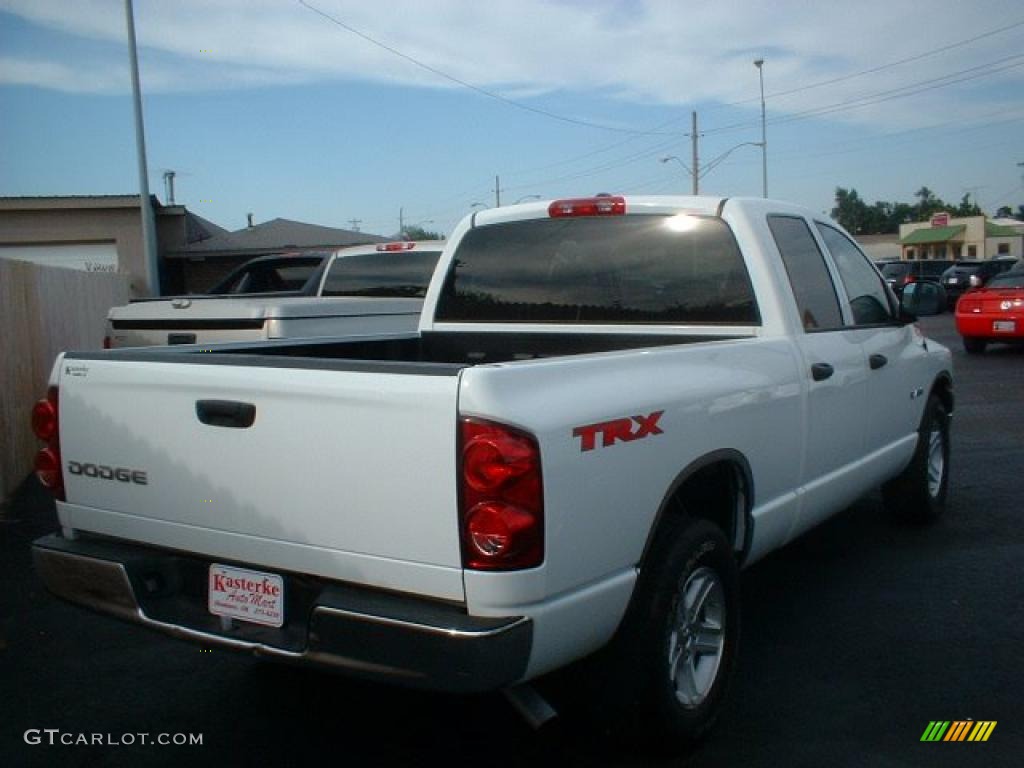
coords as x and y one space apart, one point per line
297 273
992 313
965 275
609 407
354 291
899 273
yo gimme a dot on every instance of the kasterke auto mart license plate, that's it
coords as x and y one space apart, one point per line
246 595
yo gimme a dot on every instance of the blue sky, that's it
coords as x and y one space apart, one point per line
266 106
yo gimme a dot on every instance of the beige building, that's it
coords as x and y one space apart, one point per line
95 233
103 233
948 237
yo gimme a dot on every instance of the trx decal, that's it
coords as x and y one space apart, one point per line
618 429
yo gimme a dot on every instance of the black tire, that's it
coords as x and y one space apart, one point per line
918 494
651 708
974 346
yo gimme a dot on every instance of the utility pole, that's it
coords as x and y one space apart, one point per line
355 224
148 223
401 223
497 192
694 164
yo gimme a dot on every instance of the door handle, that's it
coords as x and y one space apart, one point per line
877 361
226 413
821 371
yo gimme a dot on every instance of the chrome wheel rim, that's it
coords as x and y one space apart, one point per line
696 637
936 461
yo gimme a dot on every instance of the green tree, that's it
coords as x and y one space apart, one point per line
419 233
967 208
850 211
1004 212
928 204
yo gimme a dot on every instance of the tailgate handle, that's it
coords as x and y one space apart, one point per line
226 413
181 338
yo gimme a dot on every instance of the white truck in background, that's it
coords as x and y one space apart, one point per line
610 407
377 288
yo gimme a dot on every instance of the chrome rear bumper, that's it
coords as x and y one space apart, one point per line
369 634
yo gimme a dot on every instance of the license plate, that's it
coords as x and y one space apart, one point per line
951 281
246 595
1004 326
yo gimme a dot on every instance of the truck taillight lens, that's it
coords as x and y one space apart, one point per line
501 510
44 419
46 425
106 342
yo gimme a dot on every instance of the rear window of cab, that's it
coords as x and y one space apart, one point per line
639 269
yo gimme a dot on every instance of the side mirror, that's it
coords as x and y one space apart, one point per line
923 299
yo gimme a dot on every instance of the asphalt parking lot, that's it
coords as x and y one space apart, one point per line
854 638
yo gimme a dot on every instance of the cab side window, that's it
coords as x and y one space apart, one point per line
808 275
869 300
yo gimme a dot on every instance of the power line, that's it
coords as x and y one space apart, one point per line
458 81
953 78
881 67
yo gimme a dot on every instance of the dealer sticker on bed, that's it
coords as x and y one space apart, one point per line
246 595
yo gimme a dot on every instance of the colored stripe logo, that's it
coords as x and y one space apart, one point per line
958 730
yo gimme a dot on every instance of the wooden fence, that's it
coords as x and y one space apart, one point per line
43 311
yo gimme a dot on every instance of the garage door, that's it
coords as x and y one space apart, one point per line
91 257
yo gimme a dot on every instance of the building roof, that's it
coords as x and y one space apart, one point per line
198 229
933 235
276 235
995 230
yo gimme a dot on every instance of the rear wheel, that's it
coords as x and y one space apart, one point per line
918 494
671 660
974 345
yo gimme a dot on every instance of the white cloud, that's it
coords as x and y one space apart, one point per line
642 51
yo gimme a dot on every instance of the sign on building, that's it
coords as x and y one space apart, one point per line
87 257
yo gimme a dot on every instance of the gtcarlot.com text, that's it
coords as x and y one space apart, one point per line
55 737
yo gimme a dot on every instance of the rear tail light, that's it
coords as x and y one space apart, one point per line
501 498
605 205
46 426
106 342
404 246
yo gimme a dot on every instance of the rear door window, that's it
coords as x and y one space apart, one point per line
809 277
619 269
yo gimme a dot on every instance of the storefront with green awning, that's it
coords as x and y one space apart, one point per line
945 237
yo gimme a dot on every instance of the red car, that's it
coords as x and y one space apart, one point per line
992 313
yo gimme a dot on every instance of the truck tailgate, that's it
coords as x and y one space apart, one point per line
341 474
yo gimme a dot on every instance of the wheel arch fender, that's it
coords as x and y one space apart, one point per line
942 388
704 477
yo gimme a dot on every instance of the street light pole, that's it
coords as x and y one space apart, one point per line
146 209
695 165
684 166
759 63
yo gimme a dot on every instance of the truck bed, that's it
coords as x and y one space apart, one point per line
449 350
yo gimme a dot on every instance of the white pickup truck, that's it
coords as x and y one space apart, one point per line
358 290
610 407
